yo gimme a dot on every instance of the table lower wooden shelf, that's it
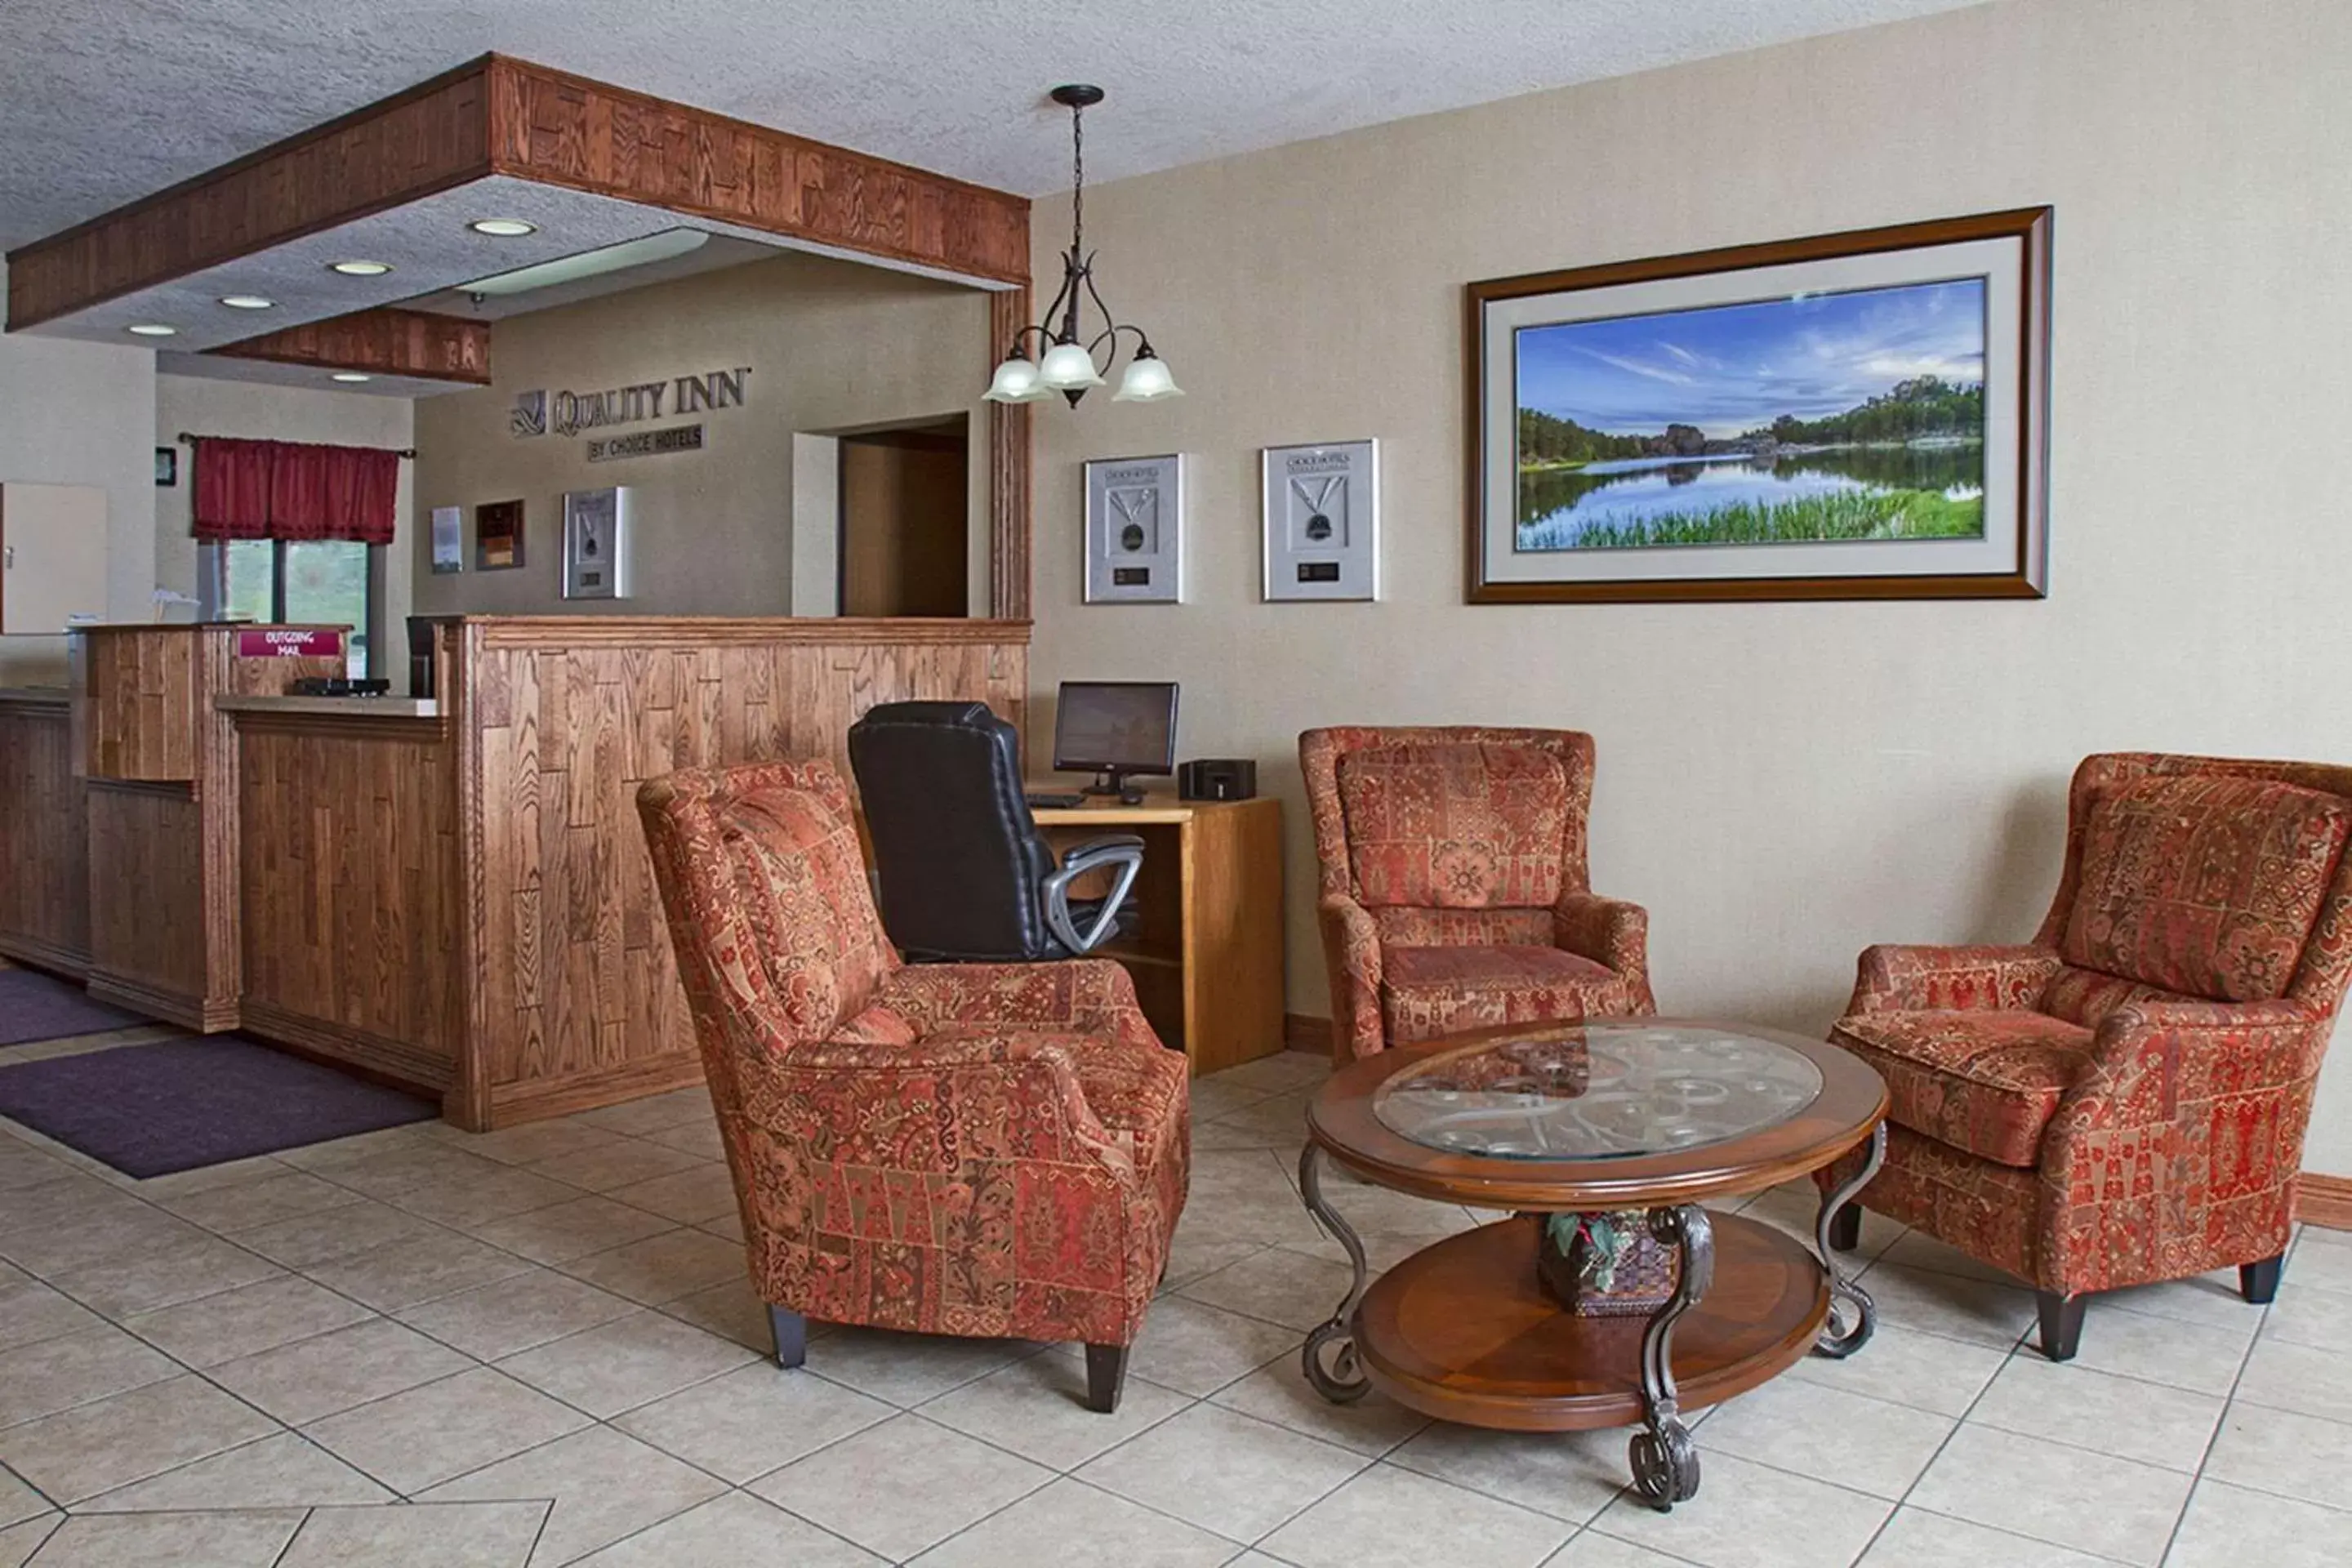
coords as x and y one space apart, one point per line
1464 1331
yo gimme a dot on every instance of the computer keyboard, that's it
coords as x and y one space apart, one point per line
1055 801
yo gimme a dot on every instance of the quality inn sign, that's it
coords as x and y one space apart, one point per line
567 413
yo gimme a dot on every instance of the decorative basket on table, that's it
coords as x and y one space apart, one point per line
1607 1264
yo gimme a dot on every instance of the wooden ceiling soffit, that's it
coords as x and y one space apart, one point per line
501 116
430 138
384 342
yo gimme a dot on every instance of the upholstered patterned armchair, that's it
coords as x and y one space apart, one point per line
960 1149
2123 1101
1453 891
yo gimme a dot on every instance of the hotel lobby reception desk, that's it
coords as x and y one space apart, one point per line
457 895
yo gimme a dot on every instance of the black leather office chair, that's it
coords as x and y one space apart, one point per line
964 874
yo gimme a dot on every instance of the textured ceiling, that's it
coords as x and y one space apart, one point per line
100 104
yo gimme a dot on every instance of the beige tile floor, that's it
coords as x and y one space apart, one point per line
422 1347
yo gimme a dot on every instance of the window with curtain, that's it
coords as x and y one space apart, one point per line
330 580
289 531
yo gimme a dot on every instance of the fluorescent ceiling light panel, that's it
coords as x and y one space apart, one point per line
590 263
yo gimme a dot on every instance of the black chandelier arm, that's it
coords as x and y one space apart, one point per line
1018 346
1111 333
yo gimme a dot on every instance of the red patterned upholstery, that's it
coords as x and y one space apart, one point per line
2089 1128
962 1149
1463 847
1984 1082
1455 827
2204 886
1426 992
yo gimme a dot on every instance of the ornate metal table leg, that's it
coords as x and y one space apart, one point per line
1852 1315
1339 1375
1664 1460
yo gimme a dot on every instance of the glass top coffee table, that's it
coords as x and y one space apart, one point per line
1611 1297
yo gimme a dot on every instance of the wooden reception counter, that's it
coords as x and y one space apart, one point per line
457 895
118 810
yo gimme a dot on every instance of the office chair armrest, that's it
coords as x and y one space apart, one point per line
1123 850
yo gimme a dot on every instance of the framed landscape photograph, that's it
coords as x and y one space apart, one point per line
497 535
1853 416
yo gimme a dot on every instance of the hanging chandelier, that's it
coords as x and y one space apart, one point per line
1066 365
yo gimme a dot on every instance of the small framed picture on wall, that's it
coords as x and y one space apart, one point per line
448 540
1135 531
498 536
597 544
1322 521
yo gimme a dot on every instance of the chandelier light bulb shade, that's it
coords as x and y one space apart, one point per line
1077 347
1016 381
1067 365
1147 380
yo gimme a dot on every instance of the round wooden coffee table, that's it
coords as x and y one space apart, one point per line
1636 1121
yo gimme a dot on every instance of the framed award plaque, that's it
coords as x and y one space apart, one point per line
1135 531
1322 521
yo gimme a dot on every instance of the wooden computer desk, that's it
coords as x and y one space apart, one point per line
1207 955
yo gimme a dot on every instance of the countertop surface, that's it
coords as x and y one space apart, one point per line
334 707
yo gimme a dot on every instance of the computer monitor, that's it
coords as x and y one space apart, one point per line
1116 729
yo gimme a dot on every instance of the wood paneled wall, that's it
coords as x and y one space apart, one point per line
573 997
384 342
162 811
350 887
44 835
141 718
147 942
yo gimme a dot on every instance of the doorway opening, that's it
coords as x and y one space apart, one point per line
904 498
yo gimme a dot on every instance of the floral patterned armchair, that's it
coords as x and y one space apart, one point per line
1453 889
960 1149
2123 1101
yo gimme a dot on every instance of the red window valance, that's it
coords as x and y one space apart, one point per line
292 490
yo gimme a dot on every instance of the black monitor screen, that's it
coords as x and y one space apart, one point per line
1129 725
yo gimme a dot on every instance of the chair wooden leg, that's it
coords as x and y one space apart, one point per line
791 1335
2062 1323
1106 1377
2258 1282
1846 1227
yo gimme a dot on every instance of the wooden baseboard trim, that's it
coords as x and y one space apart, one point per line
204 1015
36 953
514 1102
1302 1033
2324 1200
397 1062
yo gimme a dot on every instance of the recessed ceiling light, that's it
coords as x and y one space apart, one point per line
154 330
360 269
247 302
503 227
351 375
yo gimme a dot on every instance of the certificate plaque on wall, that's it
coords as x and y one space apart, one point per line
448 539
497 535
597 544
1322 521
1135 531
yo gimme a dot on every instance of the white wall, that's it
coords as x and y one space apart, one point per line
82 414
257 409
1782 783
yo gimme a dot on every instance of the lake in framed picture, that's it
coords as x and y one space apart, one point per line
1855 415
